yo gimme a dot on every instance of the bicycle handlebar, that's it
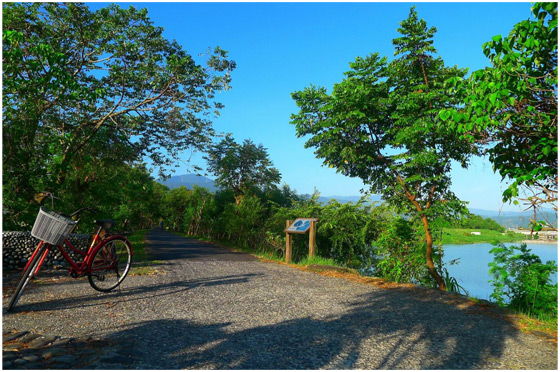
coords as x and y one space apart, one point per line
44 195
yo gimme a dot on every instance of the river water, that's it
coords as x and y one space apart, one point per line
472 268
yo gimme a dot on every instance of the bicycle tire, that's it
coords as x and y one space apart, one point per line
26 277
110 264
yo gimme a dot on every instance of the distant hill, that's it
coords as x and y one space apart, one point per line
511 219
189 180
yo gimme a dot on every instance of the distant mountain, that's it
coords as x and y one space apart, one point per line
189 180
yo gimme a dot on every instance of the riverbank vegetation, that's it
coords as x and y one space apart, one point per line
466 236
522 282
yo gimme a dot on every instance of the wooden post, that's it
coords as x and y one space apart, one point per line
312 235
288 243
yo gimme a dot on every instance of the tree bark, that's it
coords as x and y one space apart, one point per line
428 233
429 254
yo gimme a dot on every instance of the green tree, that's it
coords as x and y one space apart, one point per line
77 81
125 193
243 221
200 201
242 168
381 124
178 202
511 108
473 221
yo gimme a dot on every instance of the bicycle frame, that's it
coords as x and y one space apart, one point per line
80 268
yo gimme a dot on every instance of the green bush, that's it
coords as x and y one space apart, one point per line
522 282
401 254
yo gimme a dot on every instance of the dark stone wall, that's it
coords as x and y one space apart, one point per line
17 248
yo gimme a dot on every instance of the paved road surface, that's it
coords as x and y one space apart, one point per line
215 309
166 246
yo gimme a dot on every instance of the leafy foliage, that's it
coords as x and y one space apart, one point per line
473 221
243 221
522 281
351 229
452 284
83 90
401 254
513 106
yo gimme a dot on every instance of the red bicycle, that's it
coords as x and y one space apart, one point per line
106 262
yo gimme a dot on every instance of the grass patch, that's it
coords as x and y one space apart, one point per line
545 324
270 256
142 264
464 236
316 260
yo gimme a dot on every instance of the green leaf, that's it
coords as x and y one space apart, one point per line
457 117
497 38
444 114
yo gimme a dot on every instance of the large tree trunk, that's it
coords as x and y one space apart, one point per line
428 233
429 255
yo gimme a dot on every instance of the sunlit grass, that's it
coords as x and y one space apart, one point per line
546 323
316 260
464 236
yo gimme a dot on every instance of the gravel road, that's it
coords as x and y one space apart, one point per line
215 309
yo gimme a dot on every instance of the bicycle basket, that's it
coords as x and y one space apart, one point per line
51 227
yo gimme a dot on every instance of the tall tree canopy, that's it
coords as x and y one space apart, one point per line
511 108
82 86
242 168
381 124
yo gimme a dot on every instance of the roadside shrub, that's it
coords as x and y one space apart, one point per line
400 254
522 282
244 221
349 229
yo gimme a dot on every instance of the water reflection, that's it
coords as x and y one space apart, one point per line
472 269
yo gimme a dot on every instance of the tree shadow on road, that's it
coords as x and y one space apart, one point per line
126 294
382 330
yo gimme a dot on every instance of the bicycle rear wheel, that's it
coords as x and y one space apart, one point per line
26 278
110 265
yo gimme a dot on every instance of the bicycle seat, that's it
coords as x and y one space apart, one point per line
106 224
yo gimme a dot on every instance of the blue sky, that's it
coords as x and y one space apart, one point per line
284 47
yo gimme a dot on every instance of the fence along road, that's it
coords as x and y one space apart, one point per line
210 308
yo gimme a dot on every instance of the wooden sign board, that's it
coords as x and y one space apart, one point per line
300 226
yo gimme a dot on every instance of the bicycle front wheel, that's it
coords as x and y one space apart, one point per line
27 276
110 265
